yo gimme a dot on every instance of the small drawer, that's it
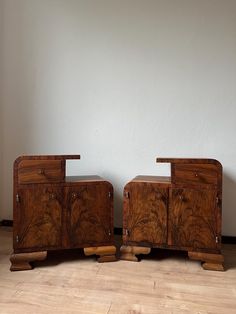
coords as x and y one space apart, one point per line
40 171
195 173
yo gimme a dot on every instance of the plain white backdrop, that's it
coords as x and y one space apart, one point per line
119 82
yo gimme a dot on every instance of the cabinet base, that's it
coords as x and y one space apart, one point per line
209 261
106 253
21 261
128 252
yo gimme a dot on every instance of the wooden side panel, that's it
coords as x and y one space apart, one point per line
193 219
38 214
145 213
90 214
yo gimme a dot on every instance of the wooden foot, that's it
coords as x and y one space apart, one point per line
128 252
209 261
21 261
106 253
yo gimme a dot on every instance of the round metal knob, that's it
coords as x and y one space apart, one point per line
196 175
52 196
181 197
74 195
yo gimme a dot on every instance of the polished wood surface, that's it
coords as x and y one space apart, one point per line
195 173
192 218
180 212
145 206
54 212
22 261
71 179
40 167
40 171
154 179
164 282
90 208
106 253
129 253
38 218
189 161
210 261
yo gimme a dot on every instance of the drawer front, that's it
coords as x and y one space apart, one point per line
195 173
40 171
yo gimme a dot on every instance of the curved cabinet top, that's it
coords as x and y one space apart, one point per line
189 161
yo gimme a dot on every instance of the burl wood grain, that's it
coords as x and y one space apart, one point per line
180 212
89 214
52 211
38 218
192 218
145 213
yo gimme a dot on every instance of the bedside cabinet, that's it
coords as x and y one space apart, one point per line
181 212
53 211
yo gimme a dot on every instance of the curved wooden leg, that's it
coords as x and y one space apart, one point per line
21 261
106 253
209 261
128 252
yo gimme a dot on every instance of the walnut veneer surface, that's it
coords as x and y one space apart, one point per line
182 212
53 211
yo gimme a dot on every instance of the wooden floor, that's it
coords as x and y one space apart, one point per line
163 282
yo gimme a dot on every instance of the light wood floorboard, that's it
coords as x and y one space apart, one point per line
163 282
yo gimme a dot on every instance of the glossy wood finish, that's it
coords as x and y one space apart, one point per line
89 222
192 218
22 261
181 212
195 174
146 208
174 161
106 253
40 171
129 253
38 218
210 261
58 212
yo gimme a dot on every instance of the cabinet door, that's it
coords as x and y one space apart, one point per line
37 218
193 216
90 214
145 213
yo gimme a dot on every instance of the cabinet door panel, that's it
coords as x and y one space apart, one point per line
193 218
37 218
89 214
145 213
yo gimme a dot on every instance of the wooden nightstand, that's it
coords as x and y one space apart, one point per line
53 211
179 212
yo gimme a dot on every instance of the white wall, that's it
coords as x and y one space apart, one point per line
120 82
1 101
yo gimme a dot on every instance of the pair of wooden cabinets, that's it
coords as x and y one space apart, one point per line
53 211
181 212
